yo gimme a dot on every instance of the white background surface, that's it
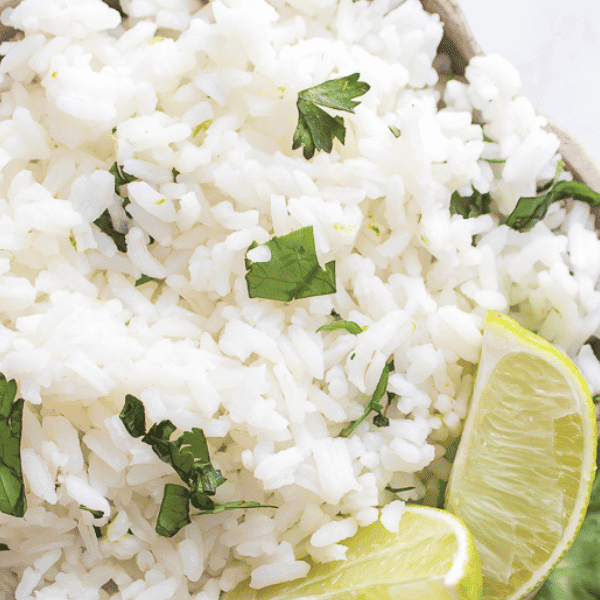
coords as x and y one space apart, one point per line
555 46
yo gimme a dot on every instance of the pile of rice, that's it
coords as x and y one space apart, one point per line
210 90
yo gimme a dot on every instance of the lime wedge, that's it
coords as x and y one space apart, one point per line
524 468
433 557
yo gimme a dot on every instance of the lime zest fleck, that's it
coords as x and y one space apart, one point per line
201 128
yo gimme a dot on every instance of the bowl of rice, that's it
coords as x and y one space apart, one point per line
157 158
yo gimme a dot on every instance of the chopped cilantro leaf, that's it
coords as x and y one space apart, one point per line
121 177
189 457
219 508
12 487
145 279
116 5
530 211
97 514
105 224
293 271
174 512
316 128
159 431
399 490
397 133
176 174
470 206
349 326
133 416
374 405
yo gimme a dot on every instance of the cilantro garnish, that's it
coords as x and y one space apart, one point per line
349 326
97 514
293 271
174 512
104 221
530 211
105 224
470 206
12 487
133 416
189 457
316 128
145 279
121 177
399 490
379 420
116 5
175 173
397 133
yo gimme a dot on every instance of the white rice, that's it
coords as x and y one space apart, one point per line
210 90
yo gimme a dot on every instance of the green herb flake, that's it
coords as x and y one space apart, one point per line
219 508
475 205
4 548
175 173
121 176
145 279
397 133
201 128
374 405
12 487
316 128
73 241
349 326
97 514
133 416
374 228
399 490
174 512
189 457
116 5
105 224
293 272
596 398
529 211
161 201
495 161
488 139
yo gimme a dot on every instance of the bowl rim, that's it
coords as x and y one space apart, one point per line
460 44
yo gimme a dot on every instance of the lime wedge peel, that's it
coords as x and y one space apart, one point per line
526 461
432 557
